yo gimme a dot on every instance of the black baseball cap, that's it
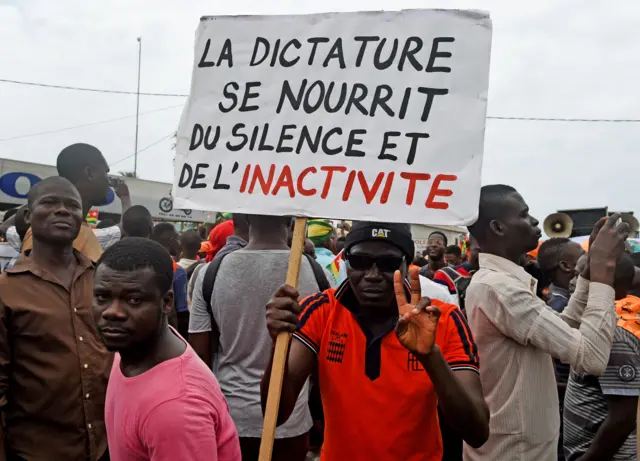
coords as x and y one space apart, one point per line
398 235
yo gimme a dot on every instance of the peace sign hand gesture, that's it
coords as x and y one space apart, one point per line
418 322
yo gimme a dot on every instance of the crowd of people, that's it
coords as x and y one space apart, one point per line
133 341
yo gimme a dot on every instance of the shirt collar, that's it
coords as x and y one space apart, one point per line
500 264
27 264
234 239
556 290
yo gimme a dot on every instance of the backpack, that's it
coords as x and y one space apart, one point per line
212 272
191 269
459 281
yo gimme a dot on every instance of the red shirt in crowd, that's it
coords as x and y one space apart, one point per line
442 278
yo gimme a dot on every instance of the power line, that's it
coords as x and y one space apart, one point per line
542 119
40 133
94 90
143 149
177 95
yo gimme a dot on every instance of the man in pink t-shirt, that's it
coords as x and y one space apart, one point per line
163 403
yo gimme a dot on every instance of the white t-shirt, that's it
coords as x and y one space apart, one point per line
434 290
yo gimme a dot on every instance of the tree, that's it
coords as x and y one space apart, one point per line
127 174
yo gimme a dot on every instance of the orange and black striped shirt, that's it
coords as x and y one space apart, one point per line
379 403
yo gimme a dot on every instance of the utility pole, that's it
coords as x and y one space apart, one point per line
135 157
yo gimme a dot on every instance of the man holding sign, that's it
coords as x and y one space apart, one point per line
384 360
365 116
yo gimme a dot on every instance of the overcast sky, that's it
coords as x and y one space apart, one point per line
550 58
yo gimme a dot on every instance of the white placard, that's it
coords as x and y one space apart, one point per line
366 116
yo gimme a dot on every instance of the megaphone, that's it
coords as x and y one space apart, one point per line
558 225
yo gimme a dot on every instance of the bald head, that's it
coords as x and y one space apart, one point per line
74 159
85 166
48 185
55 211
504 226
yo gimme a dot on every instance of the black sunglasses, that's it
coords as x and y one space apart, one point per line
383 263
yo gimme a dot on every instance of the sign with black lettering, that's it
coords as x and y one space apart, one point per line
368 115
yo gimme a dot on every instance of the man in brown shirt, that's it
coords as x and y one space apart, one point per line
53 368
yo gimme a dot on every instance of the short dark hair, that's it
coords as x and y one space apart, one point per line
160 229
106 223
73 159
240 222
137 253
190 241
453 250
550 254
489 208
440 234
137 222
264 223
9 213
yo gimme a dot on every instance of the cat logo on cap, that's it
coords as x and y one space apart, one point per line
380 233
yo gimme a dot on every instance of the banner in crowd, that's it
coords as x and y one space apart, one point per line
367 115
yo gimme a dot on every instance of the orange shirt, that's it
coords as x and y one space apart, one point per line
628 311
378 401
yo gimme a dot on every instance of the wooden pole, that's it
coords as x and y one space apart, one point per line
281 349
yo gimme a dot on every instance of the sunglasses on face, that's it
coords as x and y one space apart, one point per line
383 263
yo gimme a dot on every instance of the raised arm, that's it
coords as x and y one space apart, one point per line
520 315
572 314
459 390
122 191
460 398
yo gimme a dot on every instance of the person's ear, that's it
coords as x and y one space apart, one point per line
168 302
27 217
497 227
564 267
88 173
